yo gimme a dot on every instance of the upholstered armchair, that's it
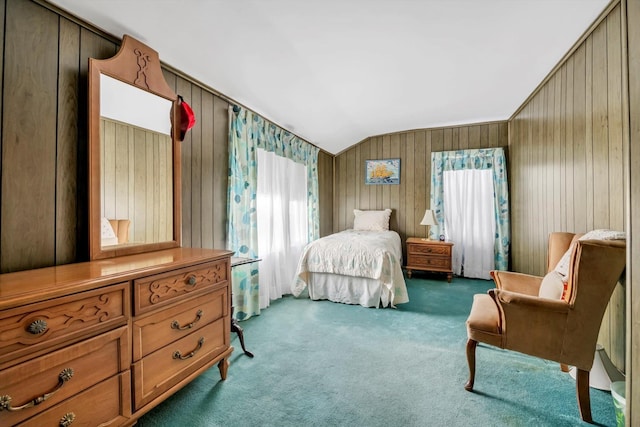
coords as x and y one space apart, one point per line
121 229
521 313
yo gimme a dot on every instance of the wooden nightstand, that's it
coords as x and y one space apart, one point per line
429 255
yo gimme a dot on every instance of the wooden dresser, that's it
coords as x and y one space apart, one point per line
103 342
429 255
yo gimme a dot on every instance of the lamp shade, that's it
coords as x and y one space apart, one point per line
429 218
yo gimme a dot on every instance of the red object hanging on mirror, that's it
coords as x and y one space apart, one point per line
187 117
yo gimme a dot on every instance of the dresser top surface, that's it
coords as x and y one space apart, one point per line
28 286
422 241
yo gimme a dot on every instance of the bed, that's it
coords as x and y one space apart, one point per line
356 266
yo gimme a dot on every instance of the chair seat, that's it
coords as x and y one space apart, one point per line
483 324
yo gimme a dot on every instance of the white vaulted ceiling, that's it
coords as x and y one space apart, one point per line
337 71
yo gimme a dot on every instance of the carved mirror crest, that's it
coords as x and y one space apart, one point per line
134 156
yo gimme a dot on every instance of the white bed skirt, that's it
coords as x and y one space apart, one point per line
348 290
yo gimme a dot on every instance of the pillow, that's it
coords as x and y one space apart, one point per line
371 220
108 236
107 229
552 286
601 234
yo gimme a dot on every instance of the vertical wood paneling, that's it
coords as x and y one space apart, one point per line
91 46
183 88
402 200
411 197
633 174
220 172
67 143
616 311
325 190
409 185
421 196
566 151
394 190
196 168
29 137
207 200
600 126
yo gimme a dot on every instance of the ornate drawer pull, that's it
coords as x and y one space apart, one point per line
192 280
176 325
37 327
178 355
67 419
63 377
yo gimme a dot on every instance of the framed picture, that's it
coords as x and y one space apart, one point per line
385 171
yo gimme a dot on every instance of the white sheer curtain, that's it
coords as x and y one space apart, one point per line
282 222
470 220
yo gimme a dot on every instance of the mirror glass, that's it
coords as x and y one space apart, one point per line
136 180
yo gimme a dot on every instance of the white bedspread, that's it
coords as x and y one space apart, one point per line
370 254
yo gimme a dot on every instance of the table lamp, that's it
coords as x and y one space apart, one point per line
429 219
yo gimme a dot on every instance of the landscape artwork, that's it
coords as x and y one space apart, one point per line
385 171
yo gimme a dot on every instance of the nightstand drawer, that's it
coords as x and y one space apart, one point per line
429 249
427 262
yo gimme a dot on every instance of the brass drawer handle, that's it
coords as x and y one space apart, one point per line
37 327
63 377
192 280
178 355
67 419
176 325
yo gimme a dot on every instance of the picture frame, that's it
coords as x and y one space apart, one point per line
382 172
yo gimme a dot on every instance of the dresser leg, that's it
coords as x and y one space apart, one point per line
449 276
409 274
223 366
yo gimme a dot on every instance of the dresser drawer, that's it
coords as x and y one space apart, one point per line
161 328
162 289
100 405
429 262
62 374
444 250
161 370
33 329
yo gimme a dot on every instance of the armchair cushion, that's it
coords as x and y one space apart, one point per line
601 234
483 324
552 286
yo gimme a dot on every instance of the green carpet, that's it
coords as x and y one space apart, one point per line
319 363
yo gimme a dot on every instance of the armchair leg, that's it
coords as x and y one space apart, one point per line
471 361
582 393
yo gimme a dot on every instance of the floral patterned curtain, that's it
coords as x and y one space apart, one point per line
247 132
484 158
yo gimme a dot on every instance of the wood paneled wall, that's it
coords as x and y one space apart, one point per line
567 162
43 214
411 197
325 188
632 15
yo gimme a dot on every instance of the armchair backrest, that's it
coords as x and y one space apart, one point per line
595 267
559 243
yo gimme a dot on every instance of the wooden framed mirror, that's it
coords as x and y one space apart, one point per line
134 154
